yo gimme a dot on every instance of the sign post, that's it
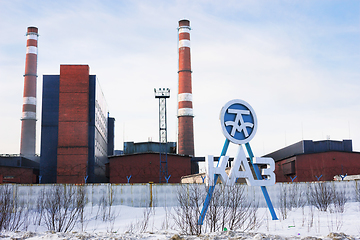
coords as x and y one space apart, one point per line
239 125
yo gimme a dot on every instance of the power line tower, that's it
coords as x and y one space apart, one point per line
162 94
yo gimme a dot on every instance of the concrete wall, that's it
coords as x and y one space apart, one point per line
165 195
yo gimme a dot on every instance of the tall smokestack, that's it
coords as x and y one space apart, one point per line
28 124
185 108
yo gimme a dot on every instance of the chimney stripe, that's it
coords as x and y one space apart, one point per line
29 115
184 43
29 100
185 97
31 49
32 36
185 112
184 30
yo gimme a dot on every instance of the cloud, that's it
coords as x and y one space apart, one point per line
296 63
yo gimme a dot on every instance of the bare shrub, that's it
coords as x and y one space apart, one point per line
144 223
39 208
242 212
310 222
297 197
291 196
81 202
106 211
141 225
105 207
320 195
190 199
166 223
339 200
357 190
229 207
216 213
14 214
63 206
336 222
284 204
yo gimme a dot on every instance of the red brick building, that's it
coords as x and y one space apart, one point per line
307 161
73 143
18 175
309 167
18 169
74 128
145 167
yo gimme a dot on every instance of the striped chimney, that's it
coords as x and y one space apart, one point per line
185 108
28 119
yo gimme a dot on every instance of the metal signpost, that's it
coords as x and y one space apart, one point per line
239 125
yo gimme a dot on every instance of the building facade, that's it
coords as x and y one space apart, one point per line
308 161
144 168
74 136
15 168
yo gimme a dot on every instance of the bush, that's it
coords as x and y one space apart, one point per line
229 207
320 195
339 200
190 198
63 207
13 213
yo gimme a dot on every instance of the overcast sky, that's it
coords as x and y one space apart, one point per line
297 63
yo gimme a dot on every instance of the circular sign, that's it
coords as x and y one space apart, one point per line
238 121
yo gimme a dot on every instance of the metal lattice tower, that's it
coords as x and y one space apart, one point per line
162 94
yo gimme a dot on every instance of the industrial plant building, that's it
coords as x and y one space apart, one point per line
15 168
24 167
77 135
140 163
74 128
308 161
144 168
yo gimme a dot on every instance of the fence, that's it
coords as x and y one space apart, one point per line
165 195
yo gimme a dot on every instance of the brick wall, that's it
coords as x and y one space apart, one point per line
144 168
186 136
327 164
17 175
72 153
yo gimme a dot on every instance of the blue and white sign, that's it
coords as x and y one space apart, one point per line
238 121
239 125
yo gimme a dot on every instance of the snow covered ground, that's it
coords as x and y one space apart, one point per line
130 223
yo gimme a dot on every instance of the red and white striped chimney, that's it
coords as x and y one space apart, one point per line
28 124
185 108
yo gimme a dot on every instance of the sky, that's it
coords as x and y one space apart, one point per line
295 62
